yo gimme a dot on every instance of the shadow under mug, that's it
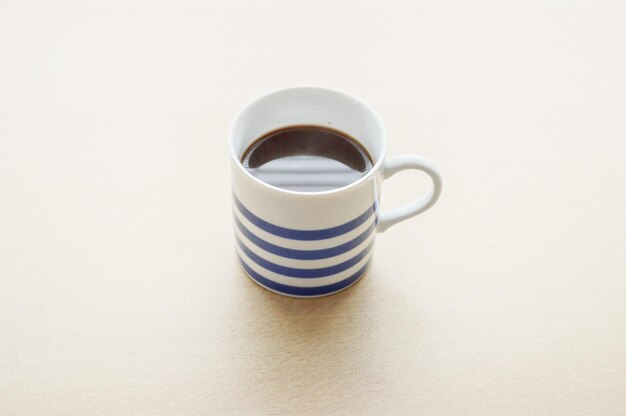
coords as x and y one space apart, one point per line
308 244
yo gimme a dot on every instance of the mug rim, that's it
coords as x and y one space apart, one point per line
375 168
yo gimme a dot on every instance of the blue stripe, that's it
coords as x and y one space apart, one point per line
305 234
304 273
305 254
303 291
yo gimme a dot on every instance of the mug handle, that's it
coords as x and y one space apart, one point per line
395 165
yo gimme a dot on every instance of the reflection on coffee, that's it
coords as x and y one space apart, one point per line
307 158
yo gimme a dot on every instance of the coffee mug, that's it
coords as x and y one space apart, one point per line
309 244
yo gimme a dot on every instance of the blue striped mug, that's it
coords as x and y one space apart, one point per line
308 244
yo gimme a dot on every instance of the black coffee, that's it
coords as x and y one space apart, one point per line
307 158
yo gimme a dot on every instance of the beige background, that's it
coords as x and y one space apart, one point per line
119 289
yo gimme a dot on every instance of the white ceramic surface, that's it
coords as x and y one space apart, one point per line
308 244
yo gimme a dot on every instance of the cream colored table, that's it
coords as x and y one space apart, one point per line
119 289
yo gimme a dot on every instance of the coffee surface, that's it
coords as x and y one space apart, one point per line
307 158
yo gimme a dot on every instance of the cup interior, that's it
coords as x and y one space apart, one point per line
309 106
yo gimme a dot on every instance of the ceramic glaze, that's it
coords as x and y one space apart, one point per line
308 244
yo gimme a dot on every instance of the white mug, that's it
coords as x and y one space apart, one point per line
308 244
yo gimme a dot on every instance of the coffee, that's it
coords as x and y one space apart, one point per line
307 158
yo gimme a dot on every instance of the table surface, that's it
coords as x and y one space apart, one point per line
120 293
